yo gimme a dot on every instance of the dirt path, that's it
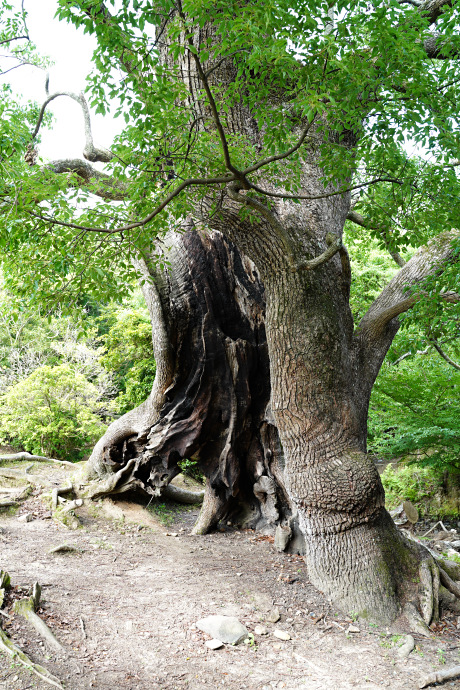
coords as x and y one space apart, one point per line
125 603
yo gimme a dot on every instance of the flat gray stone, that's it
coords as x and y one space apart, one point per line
227 629
214 644
27 517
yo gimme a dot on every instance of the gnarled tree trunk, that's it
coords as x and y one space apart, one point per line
210 400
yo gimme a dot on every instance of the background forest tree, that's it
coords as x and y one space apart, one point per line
260 122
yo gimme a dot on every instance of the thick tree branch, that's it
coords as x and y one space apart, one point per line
395 300
432 9
101 184
358 219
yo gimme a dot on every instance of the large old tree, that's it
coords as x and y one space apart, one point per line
250 128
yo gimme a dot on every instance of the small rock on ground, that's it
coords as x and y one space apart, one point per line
227 629
260 630
273 616
214 644
353 629
282 635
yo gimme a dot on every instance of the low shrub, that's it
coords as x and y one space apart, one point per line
53 412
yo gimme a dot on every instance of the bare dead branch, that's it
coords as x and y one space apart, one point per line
90 152
103 185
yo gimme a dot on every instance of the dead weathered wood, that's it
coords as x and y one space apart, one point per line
440 676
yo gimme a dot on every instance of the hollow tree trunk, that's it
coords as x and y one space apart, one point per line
210 400
322 373
321 370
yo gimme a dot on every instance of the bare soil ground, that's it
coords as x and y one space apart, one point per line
124 605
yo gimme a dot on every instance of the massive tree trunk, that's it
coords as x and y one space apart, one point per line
210 400
322 372
212 403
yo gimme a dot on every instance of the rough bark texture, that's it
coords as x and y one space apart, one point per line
211 396
321 370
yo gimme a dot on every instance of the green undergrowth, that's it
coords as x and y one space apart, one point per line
432 490
167 512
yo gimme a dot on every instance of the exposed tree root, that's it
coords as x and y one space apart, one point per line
8 502
35 458
176 493
10 473
109 484
26 608
212 511
440 676
10 648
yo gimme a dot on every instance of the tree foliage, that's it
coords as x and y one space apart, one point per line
53 412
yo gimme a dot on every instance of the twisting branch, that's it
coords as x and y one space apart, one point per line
102 185
445 356
394 299
358 219
90 152
335 245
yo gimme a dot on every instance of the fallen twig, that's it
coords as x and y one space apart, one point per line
82 626
440 676
10 648
434 527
